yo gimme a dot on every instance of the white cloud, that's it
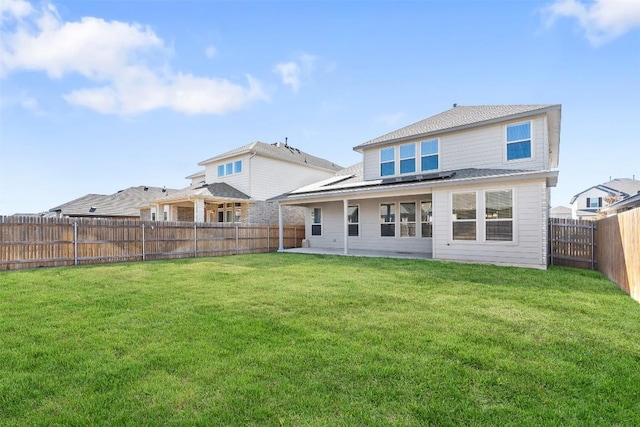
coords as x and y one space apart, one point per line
292 72
289 73
14 9
128 60
601 20
210 51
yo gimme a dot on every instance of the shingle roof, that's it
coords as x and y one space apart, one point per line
124 203
625 186
355 182
216 190
460 117
277 151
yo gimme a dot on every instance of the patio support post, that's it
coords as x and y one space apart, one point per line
346 226
280 230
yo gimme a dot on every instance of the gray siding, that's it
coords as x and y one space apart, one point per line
530 215
482 148
369 229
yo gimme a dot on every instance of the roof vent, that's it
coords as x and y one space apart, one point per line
455 105
146 188
92 209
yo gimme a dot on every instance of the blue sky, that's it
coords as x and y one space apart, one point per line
98 96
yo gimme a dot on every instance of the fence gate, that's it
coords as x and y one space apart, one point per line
572 243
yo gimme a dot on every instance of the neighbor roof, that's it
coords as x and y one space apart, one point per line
626 187
277 151
460 117
124 203
217 190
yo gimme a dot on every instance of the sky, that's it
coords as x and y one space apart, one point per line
98 96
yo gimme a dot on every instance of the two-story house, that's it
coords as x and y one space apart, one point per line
234 186
469 184
588 203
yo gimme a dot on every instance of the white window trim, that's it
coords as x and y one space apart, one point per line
415 221
388 161
415 158
506 143
354 223
430 155
419 232
481 238
316 223
233 168
396 230
513 215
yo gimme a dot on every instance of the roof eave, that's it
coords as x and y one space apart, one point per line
361 147
551 177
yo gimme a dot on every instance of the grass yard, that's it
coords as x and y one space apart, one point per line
303 340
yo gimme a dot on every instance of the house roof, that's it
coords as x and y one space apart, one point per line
278 151
629 203
124 203
350 181
460 117
626 187
217 190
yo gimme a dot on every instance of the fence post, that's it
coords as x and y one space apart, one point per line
593 244
551 239
237 240
268 238
195 240
143 254
75 243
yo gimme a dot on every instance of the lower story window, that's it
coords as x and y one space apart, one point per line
316 222
426 217
464 216
388 219
498 206
353 216
407 219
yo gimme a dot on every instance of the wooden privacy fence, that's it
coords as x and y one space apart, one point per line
611 245
28 242
618 250
572 243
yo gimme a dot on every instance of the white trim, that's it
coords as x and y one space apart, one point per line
313 217
357 205
531 143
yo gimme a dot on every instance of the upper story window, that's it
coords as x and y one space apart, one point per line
594 202
230 168
387 161
407 158
429 154
519 141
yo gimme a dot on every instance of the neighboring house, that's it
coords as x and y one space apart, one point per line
590 202
562 212
234 186
631 202
124 204
469 184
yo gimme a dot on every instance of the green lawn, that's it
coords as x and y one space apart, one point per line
297 340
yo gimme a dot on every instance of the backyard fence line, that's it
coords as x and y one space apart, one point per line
618 250
29 242
572 243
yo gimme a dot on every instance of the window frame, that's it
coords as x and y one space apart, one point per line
316 225
353 225
405 226
429 222
455 220
424 156
391 212
230 168
488 220
518 141
391 162
408 160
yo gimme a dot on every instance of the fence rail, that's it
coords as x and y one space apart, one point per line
28 242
